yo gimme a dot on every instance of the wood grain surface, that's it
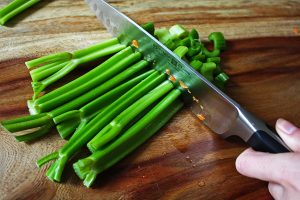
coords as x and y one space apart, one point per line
184 160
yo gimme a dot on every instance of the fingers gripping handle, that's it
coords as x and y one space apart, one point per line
262 141
256 133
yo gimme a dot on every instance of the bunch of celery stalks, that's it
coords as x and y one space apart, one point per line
114 107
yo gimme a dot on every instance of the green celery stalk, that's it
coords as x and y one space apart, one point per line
86 99
193 34
14 8
221 80
39 86
110 131
52 58
97 123
196 64
43 130
64 56
41 124
46 70
163 35
87 86
16 125
88 168
184 42
218 40
181 51
216 60
90 109
84 78
178 31
209 54
207 70
199 57
149 27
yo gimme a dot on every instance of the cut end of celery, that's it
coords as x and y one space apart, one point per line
55 171
82 167
84 170
66 128
37 89
179 31
32 108
91 147
89 179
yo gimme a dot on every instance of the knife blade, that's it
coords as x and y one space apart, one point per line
215 109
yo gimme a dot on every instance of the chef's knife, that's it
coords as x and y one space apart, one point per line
217 111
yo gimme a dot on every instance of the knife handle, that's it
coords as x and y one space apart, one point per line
262 141
256 133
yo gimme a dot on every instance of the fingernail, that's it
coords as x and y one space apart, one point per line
286 126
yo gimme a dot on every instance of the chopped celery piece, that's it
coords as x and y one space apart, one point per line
194 34
207 70
218 40
221 80
196 64
149 27
181 51
179 31
163 35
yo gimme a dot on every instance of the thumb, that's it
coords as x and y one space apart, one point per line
289 133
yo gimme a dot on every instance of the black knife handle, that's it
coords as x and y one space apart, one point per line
262 141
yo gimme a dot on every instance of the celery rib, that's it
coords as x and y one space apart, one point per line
14 8
88 168
110 131
98 122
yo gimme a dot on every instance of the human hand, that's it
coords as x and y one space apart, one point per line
282 171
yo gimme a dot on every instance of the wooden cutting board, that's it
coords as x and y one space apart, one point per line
184 160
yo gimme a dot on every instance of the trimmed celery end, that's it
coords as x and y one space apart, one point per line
221 80
207 70
196 64
88 168
163 35
179 31
181 51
